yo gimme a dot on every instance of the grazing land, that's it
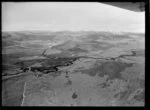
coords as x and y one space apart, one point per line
73 69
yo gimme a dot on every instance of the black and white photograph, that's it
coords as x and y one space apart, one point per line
68 54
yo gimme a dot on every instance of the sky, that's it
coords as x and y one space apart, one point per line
60 16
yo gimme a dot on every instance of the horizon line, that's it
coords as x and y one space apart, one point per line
70 31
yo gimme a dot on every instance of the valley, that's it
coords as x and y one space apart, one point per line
73 69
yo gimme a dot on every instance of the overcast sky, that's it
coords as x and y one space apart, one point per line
70 16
